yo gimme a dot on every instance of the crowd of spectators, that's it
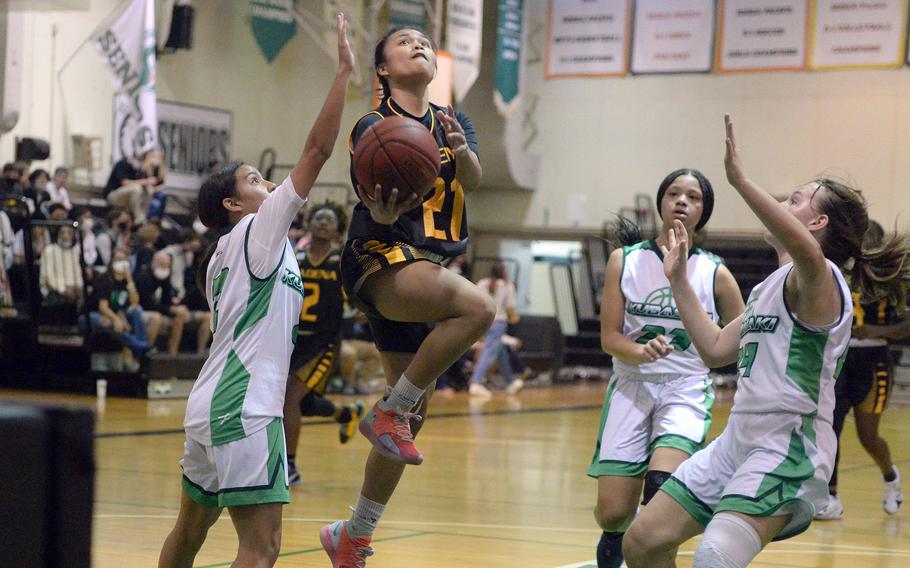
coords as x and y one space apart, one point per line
124 276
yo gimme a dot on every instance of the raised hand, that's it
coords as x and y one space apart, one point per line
346 59
676 257
386 211
454 132
732 162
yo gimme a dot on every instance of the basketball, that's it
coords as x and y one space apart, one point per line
397 152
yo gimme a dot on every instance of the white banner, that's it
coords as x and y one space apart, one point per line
464 27
763 35
190 137
673 37
858 34
126 43
588 37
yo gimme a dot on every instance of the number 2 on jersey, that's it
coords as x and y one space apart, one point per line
679 339
310 299
434 206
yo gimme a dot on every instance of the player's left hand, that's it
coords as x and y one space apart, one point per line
454 132
676 257
732 162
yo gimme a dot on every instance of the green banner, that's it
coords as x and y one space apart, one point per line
273 25
408 14
508 54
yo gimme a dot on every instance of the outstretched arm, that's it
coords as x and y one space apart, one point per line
716 346
324 133
813 289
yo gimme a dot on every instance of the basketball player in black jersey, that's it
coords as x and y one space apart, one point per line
865 386
318 333
391 269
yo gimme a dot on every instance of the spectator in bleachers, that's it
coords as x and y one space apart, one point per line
159 302
86 220
14 176
60 275
36 190
116 234
129 183
114 304
359 360
153 167
147 236
56 188
183 254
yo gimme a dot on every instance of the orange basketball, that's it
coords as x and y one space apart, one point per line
397 152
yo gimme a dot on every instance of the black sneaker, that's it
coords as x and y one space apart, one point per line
294 478
347 429
609 550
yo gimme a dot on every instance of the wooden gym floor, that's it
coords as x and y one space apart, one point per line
503 485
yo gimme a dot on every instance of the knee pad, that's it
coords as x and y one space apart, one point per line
653 481
314 405
728 542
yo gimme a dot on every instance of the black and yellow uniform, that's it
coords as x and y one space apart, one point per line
319 329
433 231
867 376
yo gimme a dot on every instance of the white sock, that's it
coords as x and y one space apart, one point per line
404 396
366 517
728 542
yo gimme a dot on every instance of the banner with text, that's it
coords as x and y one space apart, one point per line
191 137
673 37
508 55
126 43
588 38
762 35
409 14
274 25
464 27
858 34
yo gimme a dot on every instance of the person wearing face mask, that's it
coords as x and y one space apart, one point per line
86 229
160 304
59 275
56 188
116 234
114 304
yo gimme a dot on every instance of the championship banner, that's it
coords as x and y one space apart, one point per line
762 35
508 56
190 137
673 37
858 34
587 38
409 14
273 24
126 43
464 26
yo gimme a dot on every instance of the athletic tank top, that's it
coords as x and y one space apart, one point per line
650 309
323 298
785 365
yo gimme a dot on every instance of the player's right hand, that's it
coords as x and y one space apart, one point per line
387 211
346 59
732 162
676 256
657 348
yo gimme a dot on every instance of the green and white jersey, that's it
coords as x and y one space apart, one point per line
650 309
786 365
255 293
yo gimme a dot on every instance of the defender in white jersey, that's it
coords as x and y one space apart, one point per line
657 409
765 474
235 455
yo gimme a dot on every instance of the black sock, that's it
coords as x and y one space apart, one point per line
291 464
832 492
609 550
345 416
890 477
